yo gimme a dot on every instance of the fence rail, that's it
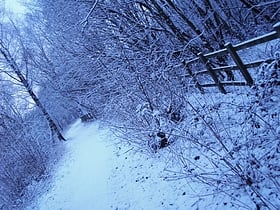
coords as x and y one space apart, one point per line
239 65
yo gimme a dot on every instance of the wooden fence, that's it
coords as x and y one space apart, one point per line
239 65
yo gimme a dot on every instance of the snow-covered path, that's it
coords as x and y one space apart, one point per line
81 180
94 175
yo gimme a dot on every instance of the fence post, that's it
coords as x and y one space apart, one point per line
197 84
212 72
239 63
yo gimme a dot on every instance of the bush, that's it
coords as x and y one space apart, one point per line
26 149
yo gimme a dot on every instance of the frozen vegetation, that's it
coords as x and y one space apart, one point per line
100 107
94 174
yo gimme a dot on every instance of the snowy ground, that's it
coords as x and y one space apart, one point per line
81 180
95 175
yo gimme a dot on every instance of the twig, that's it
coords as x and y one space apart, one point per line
85 21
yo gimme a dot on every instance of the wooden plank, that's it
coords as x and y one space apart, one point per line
239 63
261 39
246 44
233 67
209 55
191 61
226 83
248 65
220 52
217 69
256 41
212 73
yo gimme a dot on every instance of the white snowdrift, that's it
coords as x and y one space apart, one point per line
81 180
94 175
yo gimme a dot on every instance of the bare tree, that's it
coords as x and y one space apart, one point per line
15 68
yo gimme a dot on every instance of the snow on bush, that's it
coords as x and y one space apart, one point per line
227 145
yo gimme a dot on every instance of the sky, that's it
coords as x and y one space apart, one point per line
15 6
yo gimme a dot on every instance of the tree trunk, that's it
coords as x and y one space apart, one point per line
11 62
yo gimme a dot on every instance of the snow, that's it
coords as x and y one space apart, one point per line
99 173
81 180
94 174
